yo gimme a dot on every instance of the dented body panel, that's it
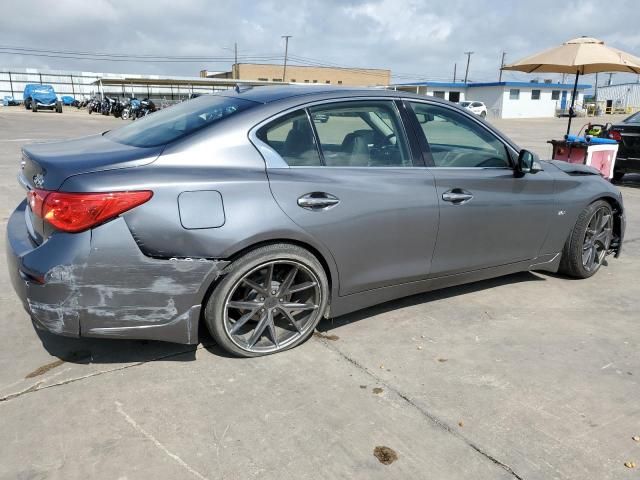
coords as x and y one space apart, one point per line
84 293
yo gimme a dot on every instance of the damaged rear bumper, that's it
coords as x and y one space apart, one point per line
99 284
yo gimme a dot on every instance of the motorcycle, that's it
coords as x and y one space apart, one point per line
117 108
93 105
130 109
146 107
106 107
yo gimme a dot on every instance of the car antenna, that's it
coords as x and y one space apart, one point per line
243 88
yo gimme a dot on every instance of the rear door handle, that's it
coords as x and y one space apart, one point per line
457 196
318 201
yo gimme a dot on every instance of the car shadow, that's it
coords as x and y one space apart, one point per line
105 351
328 324
110 351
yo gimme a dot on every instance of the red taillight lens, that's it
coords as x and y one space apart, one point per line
615 135
74 212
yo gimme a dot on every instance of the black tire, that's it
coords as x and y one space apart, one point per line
617 175
27 104
483 114
34 106
214 314
571 263
58 107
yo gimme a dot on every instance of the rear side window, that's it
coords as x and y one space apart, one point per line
292 137
361 134
177 121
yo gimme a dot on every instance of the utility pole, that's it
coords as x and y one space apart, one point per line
286 52
455 67
466 73
235 60
595 91
504 54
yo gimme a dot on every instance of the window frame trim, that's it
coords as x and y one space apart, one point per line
512 152
273 159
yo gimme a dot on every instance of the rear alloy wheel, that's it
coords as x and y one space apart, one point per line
589 242
271 300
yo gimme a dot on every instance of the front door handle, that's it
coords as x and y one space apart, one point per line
457 196
318 201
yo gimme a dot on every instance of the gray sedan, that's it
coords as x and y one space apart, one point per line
260 211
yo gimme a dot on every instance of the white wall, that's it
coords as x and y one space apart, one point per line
490 96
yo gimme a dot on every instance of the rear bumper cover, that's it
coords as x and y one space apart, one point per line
99 284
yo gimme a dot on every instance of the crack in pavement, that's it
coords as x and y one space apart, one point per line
36 386
441 424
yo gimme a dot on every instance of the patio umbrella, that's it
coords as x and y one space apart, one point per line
581 56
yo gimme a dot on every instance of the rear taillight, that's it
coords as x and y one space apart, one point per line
615 135
74 212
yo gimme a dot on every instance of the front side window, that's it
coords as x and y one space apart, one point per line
514 94
292 137
361 134
457 141
535 94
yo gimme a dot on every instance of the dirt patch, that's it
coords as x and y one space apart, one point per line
80 356
442 360
44 369
385 455
324 336
377 390
363 387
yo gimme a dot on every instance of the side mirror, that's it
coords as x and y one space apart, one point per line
528 162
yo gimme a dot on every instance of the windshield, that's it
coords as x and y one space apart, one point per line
465 104
635 118
177 121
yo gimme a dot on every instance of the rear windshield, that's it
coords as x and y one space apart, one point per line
164 126
635 118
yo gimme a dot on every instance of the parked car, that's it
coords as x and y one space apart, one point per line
239 209
627 134
38 96
478 108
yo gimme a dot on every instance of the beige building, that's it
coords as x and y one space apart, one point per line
303 74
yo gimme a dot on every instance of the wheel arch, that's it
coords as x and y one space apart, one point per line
328 265
618 221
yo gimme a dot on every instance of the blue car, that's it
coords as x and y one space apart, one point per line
38 96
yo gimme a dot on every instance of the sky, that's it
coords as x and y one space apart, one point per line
417 40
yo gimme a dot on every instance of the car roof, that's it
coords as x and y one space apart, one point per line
269 94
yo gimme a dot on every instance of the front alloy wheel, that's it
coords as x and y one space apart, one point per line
589 241
597 239
270 300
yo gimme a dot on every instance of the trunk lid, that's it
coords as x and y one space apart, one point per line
47 165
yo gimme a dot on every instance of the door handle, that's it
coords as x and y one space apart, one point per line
457 196
318 201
